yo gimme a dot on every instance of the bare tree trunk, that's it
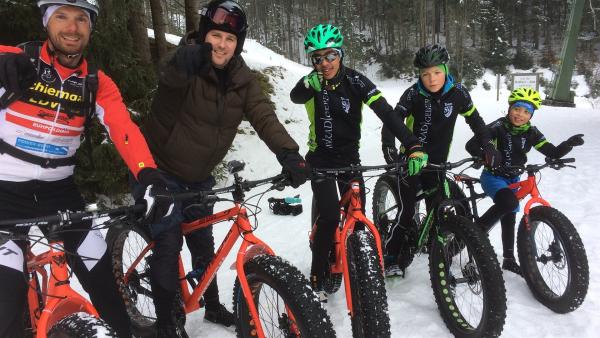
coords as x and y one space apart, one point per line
139 34
191 15
159 25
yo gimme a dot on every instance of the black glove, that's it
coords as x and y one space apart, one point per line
295 167
390 154
159 201
193 60
492 158
17 73
575 140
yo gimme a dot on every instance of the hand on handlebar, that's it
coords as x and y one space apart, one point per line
295 167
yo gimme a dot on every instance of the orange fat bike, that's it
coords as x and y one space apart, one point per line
54 308
552 256
356 258
271 297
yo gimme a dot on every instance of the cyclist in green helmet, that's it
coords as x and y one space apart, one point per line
514 136
334 96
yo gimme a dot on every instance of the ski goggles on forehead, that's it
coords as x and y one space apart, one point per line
330 57
226 16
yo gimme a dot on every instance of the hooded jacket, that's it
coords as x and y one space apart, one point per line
194 119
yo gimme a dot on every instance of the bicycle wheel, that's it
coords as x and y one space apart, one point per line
553 259
126 242
286 304
81 325
369 300
466 280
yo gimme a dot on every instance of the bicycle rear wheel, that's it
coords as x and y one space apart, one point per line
466 280
553 259
287 306
369 300
81 325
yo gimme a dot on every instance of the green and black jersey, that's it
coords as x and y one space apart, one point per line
335 113
432 117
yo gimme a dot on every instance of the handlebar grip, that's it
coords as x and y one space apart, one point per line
568 160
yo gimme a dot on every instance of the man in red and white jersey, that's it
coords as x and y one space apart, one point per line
45 100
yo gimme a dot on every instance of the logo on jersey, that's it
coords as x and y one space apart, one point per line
345 105
447 109
48 76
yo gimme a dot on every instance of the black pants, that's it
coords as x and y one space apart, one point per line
325 193
408 189
168 239
505 203
40 198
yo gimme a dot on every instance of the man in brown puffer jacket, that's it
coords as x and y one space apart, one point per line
204 92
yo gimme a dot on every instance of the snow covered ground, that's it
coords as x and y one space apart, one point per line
413 311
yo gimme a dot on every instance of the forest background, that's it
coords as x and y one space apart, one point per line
500 35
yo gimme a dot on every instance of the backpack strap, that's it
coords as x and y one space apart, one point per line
33 50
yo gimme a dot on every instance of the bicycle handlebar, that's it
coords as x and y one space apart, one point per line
70 217
554 163
450 165
332 172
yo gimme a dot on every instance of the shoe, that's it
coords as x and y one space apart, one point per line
317 287
220 315
391 266
393 270
511 265
322 295
170 330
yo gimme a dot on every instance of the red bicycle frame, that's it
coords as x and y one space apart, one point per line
351 213
52 299
528 187
250 247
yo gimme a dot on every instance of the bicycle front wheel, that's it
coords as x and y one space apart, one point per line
126 243
81 325
369 300
287 306
466 279
553 259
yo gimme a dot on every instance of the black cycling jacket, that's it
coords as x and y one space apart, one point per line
515 142
335 113
431 118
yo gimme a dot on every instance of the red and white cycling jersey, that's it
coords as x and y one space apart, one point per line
47 121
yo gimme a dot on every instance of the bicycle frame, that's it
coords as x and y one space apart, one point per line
528 187
53 298
351 213
250 247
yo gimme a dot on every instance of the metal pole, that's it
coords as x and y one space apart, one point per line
561 94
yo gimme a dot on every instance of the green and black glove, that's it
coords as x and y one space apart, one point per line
417 159
313 80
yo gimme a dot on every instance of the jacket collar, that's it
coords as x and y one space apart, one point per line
64 72
448 84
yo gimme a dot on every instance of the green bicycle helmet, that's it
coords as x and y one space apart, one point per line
323 36
526 95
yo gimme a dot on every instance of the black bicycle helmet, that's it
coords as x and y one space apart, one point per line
431 55
224 15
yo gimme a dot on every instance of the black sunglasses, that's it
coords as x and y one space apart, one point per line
317 59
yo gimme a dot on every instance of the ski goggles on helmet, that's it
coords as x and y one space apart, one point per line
227 13
330 57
